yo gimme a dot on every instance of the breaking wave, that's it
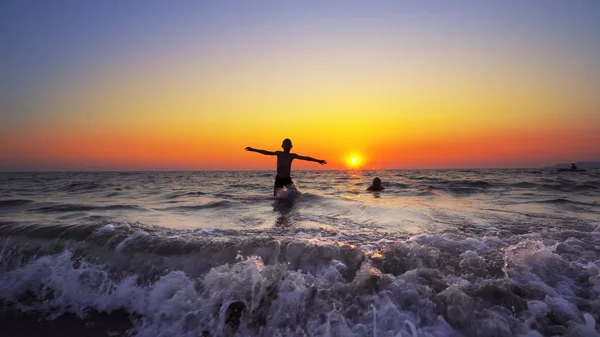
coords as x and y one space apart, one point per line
225 282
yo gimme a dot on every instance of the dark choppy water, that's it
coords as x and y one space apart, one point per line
438 253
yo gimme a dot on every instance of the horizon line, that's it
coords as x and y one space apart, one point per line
274 171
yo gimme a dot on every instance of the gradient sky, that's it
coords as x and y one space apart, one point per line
187 85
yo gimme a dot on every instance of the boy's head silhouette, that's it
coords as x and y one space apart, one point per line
286 144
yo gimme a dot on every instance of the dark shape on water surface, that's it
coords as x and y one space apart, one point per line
579 165
376 186
573 168
285 209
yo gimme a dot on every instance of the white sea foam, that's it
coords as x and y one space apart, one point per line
291 301
131 239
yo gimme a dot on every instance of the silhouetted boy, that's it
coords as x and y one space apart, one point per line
284 163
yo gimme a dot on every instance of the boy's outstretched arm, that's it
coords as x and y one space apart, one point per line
311 159
268 153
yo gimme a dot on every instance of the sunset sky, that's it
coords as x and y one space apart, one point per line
187 85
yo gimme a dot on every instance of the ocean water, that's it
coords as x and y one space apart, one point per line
438 253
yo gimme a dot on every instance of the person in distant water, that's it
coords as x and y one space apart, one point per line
376 186
284 163
573 166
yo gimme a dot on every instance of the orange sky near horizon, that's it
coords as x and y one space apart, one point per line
394 91
106 150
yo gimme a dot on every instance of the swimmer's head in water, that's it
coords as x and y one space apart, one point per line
286 144
376 186
377 182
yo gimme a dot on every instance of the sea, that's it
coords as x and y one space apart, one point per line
503 252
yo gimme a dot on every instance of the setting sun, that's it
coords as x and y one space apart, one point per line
354 161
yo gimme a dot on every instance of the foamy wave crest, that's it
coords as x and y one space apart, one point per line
428 285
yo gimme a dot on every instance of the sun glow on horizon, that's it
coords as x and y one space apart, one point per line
354 161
